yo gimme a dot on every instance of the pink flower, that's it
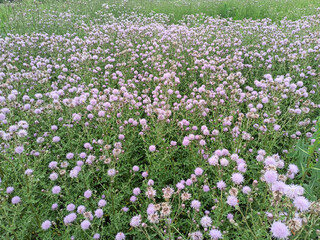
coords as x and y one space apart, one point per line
85 224
195 204
280 230
301 203
46 225
198 171
16 200
152 148
56 189
221 185
135 221
215 234
271 176
237 178
232 201
87 194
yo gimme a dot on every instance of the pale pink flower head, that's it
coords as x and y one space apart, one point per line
301 203
46 225
56 190
293 168
221 185
215 234
135 221
152 148
85 224
237 178
279 230
271 176
111 172
195 204
198 171
87 194
120 236
15 200
206 221
232 201
246 190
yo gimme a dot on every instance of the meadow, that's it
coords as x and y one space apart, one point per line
163 120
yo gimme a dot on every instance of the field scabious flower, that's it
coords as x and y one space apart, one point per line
10 190
198 171
46 225
56 189
215 234
102 203
98 213
271 176
135 221
85 224
280 230
196 235
221 185
232 201
87 194
206 221
195 204
15 200
19 149
301 203
152 148
120 236
237 178
69 218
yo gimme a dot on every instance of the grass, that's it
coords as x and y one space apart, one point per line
12 19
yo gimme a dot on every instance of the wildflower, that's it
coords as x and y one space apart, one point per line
56 189
98 213
153 218
215 234
246 190
136 191
96 236
135 221
85 224
232 201
10 190
280 230
301 203
70 207
102 203
221 185
120 236
54 206
15 200
237 178
46 225
152 148
69 218
111 172
205 221
271 176
195 204
135 168
198 171
196 235
81 209
87 194
19 149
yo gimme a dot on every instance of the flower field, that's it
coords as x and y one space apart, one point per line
120 124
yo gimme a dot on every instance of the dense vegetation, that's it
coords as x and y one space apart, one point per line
159 119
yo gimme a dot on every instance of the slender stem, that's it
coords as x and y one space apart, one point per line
247 224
